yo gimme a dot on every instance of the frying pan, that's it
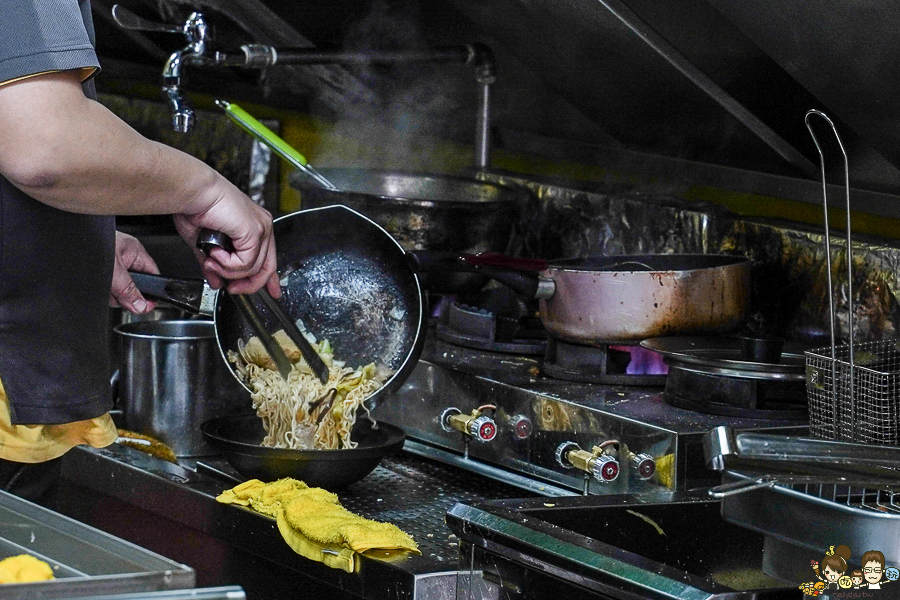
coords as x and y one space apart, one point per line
621 298
343 275
238 438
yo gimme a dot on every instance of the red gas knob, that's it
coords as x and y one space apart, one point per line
605 468
521 427
644 465
483 428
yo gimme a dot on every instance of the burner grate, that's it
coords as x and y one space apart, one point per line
601 363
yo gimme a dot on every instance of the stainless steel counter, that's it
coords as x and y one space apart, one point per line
172 510
614 547
85 562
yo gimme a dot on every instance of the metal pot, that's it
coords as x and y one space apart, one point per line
623 298
425 212
171 381
343 275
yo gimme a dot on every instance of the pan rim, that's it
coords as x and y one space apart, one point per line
511 195
395 437
572 265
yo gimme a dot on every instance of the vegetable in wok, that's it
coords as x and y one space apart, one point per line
301 412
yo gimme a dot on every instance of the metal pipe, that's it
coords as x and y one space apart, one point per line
477 55
313 56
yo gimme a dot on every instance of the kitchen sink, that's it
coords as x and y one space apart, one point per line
656 546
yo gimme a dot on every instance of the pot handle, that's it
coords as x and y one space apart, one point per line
523 280
192 295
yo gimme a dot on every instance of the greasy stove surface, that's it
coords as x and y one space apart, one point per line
171 509
554 413
639 403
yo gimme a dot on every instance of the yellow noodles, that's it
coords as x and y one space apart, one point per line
301 412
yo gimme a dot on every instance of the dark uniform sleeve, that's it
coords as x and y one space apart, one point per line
54 366
45 35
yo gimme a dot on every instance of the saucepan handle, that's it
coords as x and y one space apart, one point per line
192 295
521 275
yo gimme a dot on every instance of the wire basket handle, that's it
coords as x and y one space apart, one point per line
834 386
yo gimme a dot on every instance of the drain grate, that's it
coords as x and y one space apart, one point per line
415 493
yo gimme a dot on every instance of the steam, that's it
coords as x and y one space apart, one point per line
419 102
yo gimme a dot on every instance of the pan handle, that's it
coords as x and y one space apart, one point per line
522 280
192 295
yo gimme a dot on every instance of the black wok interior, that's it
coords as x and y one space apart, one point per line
350 283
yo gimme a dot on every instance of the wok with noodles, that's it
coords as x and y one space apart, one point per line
348 279
301 412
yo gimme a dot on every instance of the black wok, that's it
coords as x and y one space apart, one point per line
343 275
238 438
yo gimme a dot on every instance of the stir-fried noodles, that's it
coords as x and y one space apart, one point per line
301 412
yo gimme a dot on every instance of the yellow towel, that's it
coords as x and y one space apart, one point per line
315 525
24 568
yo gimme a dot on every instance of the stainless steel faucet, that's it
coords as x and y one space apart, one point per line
198 34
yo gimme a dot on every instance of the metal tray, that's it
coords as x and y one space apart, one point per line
816 516
85 561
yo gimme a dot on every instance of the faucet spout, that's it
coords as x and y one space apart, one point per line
182 112
197 33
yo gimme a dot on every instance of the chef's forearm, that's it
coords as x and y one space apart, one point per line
72 153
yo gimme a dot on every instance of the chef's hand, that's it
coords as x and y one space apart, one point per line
252 264
130 255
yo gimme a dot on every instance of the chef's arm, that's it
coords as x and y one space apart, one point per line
70 152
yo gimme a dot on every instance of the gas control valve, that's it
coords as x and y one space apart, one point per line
604 467
477 426
643 464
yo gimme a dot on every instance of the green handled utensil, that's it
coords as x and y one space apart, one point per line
249 124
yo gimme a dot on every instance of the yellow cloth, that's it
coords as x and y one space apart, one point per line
85 72
24 568
39 443
315 525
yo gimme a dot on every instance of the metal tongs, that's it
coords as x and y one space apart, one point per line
797 460
206 241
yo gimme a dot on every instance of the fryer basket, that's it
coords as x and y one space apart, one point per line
864 407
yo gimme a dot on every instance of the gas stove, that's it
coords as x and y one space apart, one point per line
502 415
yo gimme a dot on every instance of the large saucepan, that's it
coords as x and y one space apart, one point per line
350 283
623 298
425 211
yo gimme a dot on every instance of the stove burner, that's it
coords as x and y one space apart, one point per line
709 375
606 363
483 329
736 397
